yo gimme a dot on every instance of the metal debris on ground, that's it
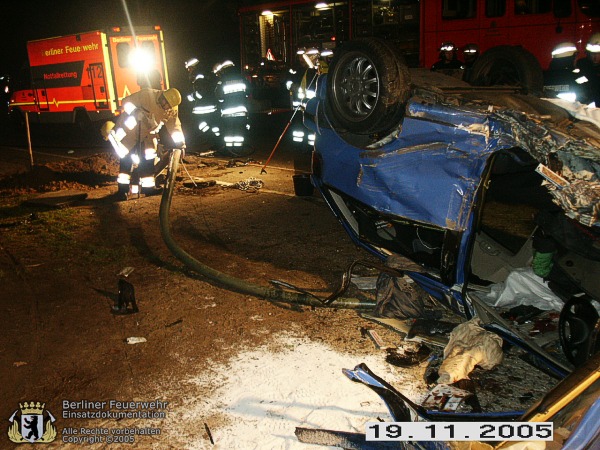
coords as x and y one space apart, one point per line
126 271
236 163
125 303
379 344
209 434
364 283
444 397
405 358
249 185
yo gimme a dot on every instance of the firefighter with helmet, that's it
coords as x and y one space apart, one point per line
448 62
562 79
232 99
147 116
470 54
589 68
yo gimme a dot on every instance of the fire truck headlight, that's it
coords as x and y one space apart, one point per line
141 60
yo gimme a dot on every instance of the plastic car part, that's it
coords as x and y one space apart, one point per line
507 65
578 327
367 87
402 409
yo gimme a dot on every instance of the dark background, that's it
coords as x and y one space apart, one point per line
206 29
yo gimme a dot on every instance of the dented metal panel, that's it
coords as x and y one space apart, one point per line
431 169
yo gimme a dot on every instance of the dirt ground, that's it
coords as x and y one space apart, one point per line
59 269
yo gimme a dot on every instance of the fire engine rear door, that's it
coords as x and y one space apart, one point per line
99 88
41 98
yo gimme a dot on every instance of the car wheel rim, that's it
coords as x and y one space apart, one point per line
358 89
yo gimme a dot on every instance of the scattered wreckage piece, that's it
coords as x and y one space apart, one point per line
444 397
430 332
469 345
341 439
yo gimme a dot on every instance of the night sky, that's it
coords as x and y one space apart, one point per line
206 29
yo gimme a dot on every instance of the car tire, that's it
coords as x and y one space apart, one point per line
507 65
368 84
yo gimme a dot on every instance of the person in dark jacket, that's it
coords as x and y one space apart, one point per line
589 69
448 63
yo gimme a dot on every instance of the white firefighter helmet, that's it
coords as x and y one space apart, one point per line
471 49
593 45
447 47
221 66
564 50
191 63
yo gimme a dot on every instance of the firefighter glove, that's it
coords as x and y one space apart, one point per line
106 129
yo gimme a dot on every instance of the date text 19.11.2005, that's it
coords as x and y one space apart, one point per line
459 431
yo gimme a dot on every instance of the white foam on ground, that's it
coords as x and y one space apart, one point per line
265 395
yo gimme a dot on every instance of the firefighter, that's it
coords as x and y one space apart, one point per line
470 54
303 89
147 114
448 62
560 80
589 69
202 97
231 94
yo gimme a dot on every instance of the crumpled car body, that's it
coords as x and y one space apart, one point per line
417 186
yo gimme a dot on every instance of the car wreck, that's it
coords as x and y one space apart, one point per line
418 166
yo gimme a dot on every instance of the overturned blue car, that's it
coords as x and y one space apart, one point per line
468 191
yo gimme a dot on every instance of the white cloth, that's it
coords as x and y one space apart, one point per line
523 287
469 345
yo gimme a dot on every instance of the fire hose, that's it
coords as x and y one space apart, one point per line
237 284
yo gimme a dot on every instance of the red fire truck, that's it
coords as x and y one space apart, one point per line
515 37
82 78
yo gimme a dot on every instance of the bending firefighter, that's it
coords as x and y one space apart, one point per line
148 116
